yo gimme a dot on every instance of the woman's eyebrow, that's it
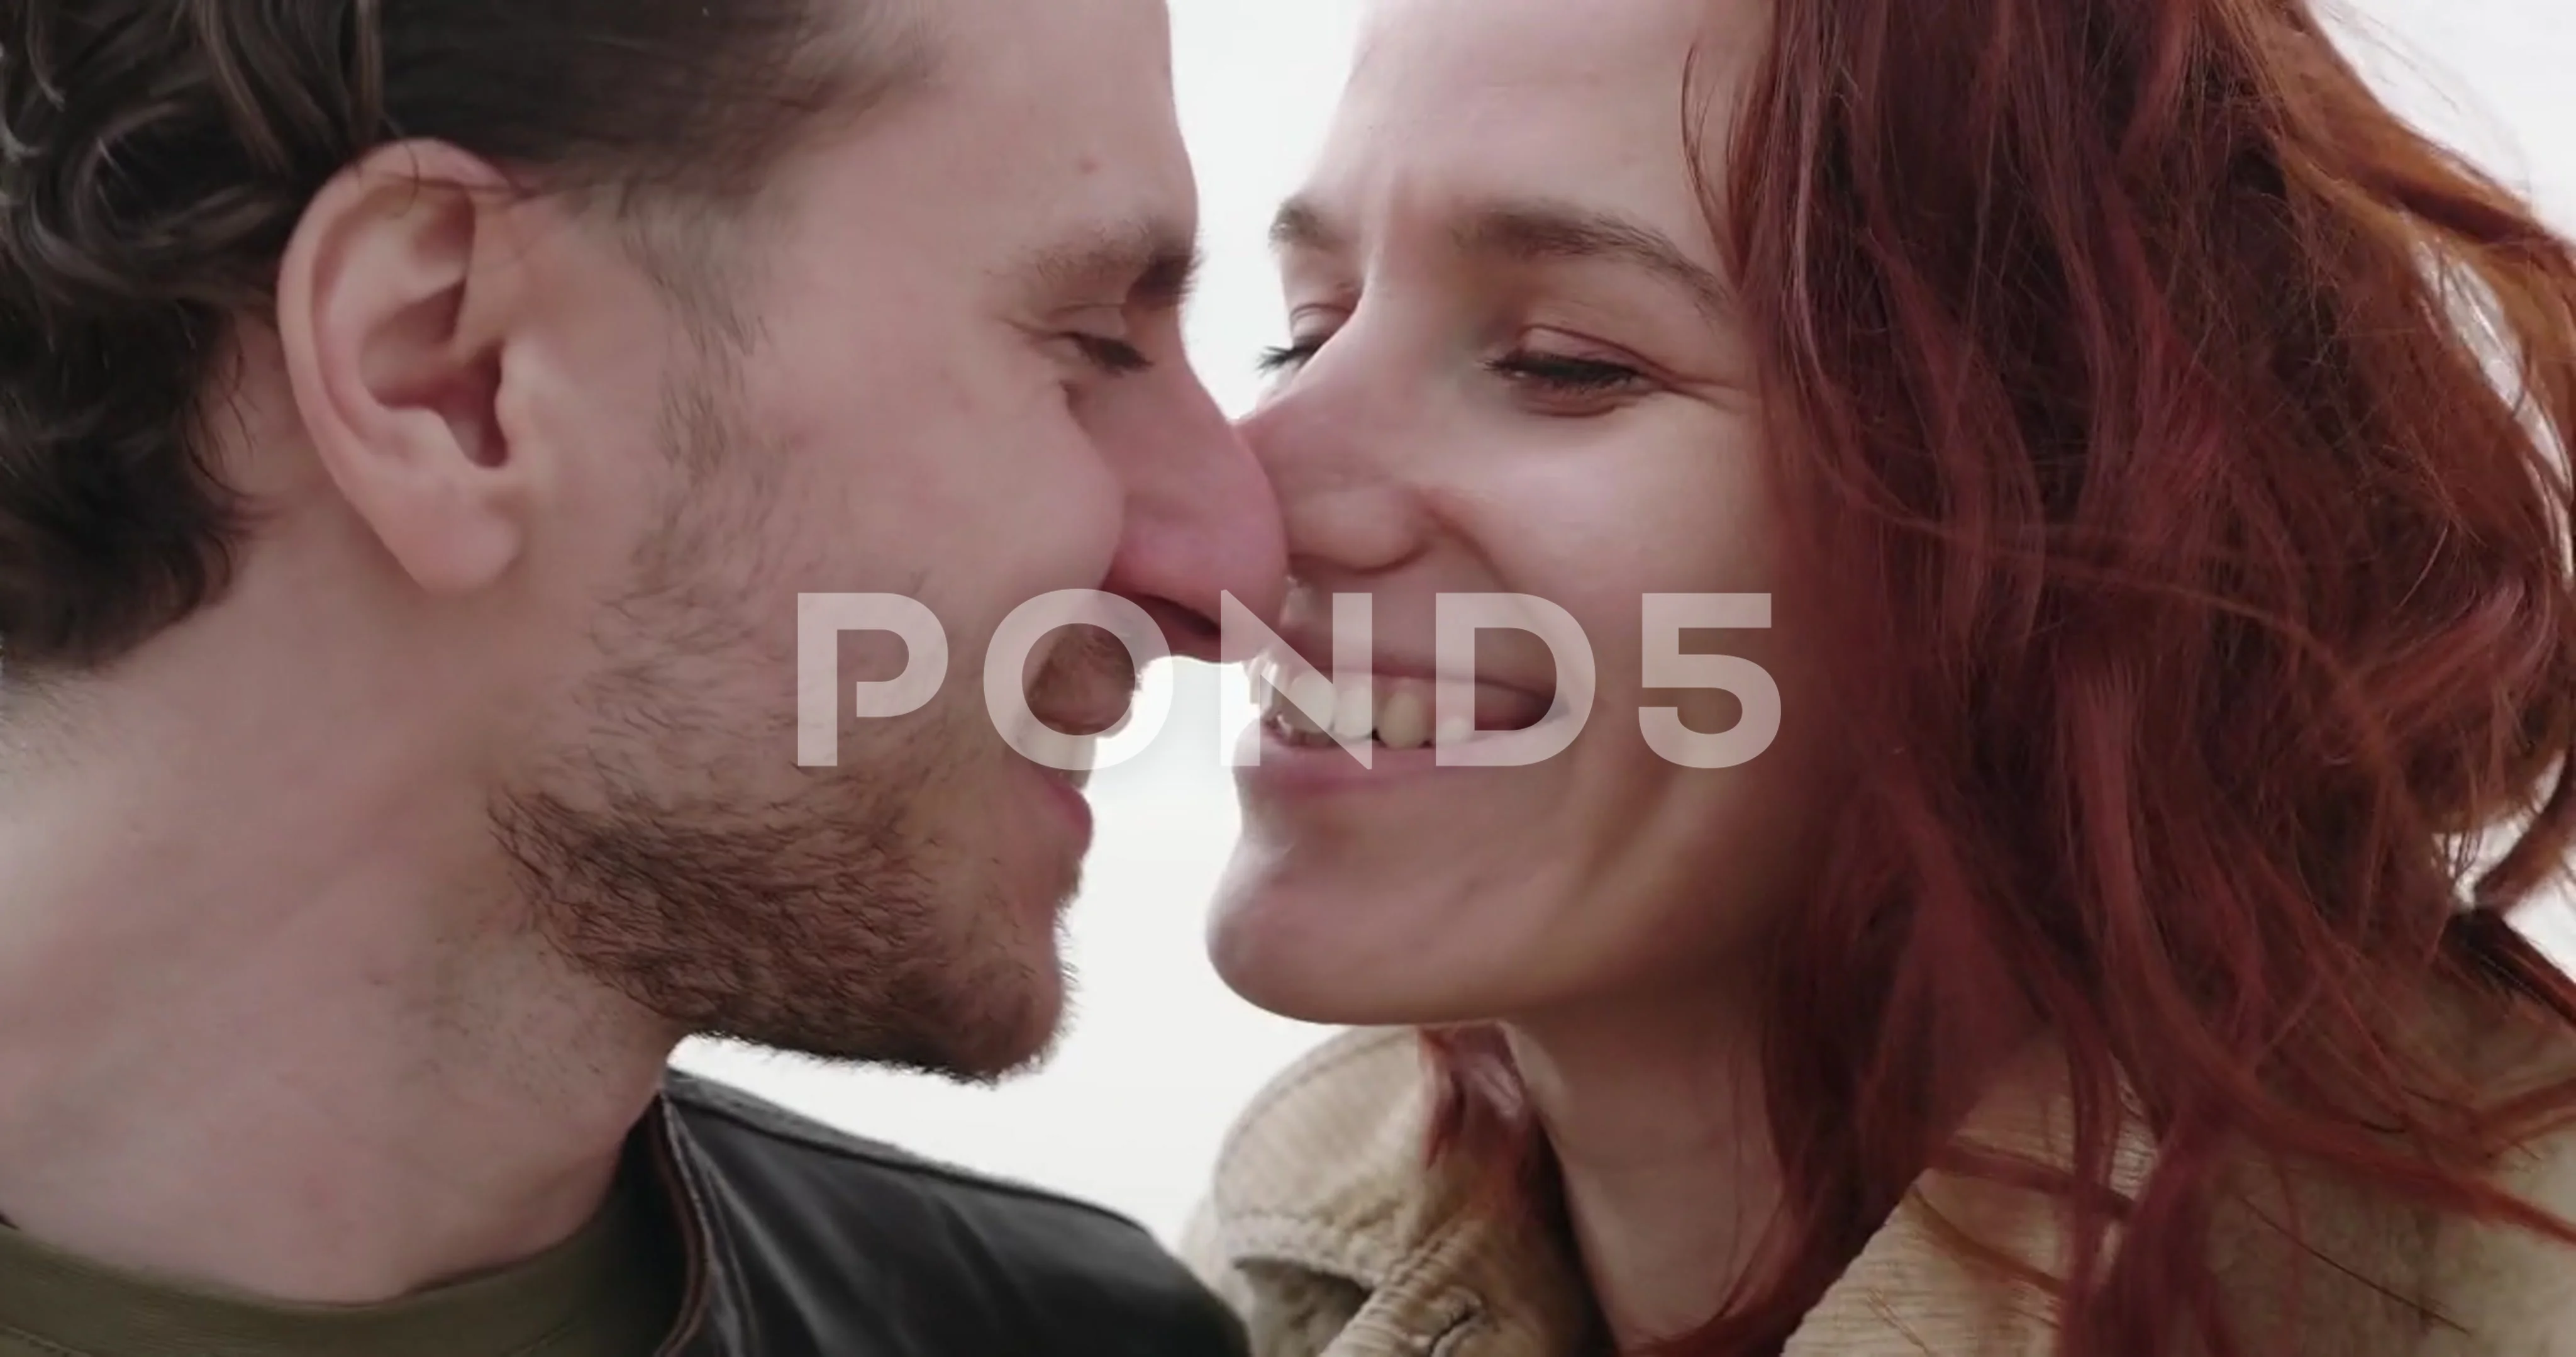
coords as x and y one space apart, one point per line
1303 225
1531 231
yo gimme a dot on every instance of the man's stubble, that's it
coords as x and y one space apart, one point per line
836 914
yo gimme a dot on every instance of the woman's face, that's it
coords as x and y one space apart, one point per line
1513 370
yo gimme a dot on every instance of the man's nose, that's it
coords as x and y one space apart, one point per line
1201 521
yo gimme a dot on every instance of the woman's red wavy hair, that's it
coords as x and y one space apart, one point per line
2182 435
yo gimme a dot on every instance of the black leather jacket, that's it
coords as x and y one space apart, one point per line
804 1242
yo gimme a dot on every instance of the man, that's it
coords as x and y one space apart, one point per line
418 424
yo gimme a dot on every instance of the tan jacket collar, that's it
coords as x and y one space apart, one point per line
1326 1232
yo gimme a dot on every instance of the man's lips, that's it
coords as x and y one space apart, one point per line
1064 791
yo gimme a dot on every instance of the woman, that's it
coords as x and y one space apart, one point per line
2146 444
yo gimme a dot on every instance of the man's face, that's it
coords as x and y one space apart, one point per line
956 375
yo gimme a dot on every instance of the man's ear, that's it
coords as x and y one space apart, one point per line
393 353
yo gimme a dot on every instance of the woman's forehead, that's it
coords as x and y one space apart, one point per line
1479 101
1631 49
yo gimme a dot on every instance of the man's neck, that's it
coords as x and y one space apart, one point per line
269 1018
1654 1110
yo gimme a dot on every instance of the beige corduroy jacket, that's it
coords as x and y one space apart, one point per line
1329 1237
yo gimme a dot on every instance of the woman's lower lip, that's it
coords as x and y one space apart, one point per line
1289 768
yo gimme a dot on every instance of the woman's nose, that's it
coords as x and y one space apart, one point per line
1337 464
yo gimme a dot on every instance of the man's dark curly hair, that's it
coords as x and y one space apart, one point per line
157 155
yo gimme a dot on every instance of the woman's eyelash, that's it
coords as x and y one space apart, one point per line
1286 355
1584 375
1565 374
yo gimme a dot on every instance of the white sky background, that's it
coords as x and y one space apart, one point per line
1160 1055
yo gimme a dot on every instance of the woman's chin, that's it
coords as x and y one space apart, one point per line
1334 954
1278 956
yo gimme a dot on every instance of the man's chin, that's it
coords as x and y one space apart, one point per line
974 1033
998 1051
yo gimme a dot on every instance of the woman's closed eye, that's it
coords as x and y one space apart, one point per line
1310 327
1280 358
1561 372
1558 371
1563 377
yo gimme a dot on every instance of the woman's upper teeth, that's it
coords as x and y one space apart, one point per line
1404 717
1401 713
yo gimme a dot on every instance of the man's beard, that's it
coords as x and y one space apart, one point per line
854 916
831 923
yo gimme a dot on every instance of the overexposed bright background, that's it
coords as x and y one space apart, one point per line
1160 1055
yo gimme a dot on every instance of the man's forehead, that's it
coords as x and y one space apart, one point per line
1054 48
1044 148
1027 93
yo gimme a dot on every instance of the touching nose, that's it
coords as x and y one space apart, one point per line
1201 522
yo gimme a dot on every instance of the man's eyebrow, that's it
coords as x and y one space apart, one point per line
1155 260
1538 231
